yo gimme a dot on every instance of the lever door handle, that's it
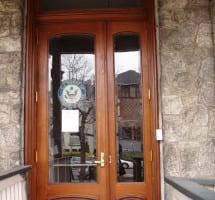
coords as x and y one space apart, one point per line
102 161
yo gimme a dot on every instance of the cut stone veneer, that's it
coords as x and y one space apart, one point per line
11 83
187 88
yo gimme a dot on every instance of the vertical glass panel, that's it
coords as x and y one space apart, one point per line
129 109
72 117
48 5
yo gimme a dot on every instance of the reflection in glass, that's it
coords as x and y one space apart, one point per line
72 118
128 108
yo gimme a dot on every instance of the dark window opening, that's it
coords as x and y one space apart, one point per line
55 5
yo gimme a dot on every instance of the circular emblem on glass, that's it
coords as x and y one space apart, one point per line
71 93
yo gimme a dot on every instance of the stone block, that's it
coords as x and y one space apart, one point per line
204 36
10 57
3 77
207 158
195 115
172 4
173 61
16 114
211 133
207 71
180 38
10 97
189 100
5 25
10 136
171 105
207 94
164 84
16 26
195 55
13 81
199 133
189 157
10 44
11 5
199 3
180 17
183 83
5 114
175 129
9 158
171 160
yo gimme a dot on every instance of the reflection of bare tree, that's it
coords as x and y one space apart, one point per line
84 117
77 67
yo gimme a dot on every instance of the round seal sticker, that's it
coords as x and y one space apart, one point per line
71 93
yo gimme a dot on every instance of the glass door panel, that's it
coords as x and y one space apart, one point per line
129 127
72 115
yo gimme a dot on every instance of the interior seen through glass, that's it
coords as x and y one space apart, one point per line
129 111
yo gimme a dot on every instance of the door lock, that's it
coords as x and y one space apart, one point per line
102 161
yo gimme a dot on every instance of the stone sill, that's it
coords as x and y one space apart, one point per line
191 187
204 181
18 170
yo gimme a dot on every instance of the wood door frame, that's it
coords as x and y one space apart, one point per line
33 18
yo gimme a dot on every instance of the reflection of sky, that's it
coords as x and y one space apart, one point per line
125 61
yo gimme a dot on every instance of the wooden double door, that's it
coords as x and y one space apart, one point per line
94 113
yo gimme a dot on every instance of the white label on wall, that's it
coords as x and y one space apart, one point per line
159 134
70 121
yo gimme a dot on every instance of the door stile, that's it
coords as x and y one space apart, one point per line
111 112
101 77
144 188
42 116
147 110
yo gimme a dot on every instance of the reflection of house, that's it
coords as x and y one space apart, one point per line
129 109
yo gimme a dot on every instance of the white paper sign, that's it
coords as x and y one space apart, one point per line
70 121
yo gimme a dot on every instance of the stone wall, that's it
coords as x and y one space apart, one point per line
187 87
212 11
11 83
173 194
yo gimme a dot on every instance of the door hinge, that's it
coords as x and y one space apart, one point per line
149 93
36 96
36 157
151 155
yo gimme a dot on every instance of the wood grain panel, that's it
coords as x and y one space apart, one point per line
72 197
131 197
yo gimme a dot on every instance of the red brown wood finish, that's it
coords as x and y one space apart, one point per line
102 23
131 197
72 197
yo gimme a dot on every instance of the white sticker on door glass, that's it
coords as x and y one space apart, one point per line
70 121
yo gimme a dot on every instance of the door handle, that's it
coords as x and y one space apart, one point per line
102 161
